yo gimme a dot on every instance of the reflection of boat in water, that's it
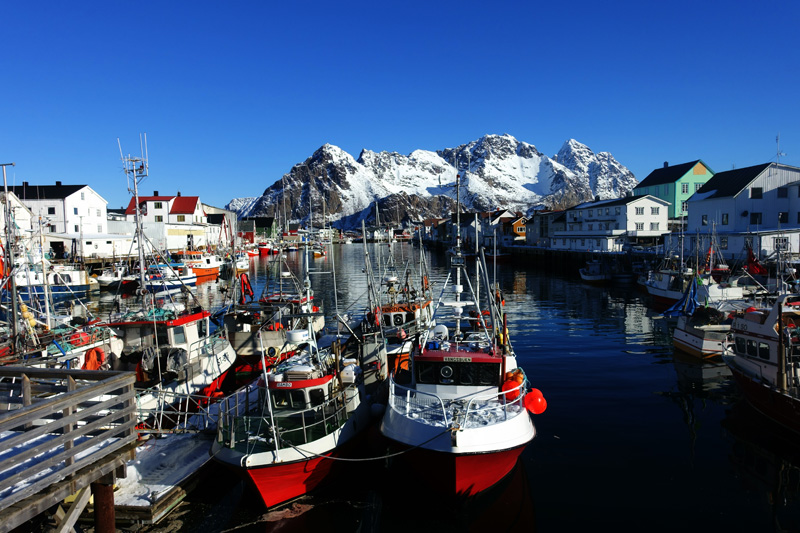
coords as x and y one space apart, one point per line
766 458
699 376
507 506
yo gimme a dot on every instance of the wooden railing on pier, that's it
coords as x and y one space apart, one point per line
60 431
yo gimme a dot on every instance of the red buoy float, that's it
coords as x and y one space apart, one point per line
509 387
535 402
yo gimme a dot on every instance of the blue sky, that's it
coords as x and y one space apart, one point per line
232 94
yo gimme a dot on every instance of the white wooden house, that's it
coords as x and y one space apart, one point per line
758 205
610 225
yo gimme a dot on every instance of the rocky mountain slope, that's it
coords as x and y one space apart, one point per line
494 171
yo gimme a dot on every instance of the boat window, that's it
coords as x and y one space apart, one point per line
316 396
427 373
202 328
410 317
288 399
488 374
178 335
387 319
741 346
751 348
467 374
763 350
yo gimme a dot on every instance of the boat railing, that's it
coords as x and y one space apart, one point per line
495 407
255 433
425 406
210 345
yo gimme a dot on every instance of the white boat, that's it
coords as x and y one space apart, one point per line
595 272
460 414
704 334
765 359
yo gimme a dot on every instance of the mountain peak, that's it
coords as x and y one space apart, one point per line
496 170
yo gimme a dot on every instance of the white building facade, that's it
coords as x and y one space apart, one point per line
756 206
610 225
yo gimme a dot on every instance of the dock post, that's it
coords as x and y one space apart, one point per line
104 516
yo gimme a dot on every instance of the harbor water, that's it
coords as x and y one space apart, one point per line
635 437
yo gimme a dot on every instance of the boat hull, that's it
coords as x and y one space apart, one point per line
459 475
782 408
278 483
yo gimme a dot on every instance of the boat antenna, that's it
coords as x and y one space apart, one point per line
136 170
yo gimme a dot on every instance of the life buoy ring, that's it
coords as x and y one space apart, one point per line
377 314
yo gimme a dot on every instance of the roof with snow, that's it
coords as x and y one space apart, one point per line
730 182
618 201
669 174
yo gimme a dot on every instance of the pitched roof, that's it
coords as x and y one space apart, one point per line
182 205
618 201
44 192
668 174
730 182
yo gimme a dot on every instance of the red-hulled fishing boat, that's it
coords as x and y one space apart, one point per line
461 412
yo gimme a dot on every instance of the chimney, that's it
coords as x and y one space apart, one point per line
58 184
666 164
25 184
179 194
155 193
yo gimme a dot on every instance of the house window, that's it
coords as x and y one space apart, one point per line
88 243
159 218
704 220
683 206
755 218
616 211
156 205
181 218
756 193
82 197
563 242
723 243
640 210
724 219
697 186
583 242
99 228
639 226
76 228
783 192
654 226
51 210
607 210
653 210
783 217
75 210
52 228
590 227
98 212
781 243
685 188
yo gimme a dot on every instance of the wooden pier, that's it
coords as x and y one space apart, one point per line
63 432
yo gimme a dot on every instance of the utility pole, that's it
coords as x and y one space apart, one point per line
8 261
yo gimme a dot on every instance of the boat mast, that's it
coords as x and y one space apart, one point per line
9 264
136 169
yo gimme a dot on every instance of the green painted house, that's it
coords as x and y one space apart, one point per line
675 184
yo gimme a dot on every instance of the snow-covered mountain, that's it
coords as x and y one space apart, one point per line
495 171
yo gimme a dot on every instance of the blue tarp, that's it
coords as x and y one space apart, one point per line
687 304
